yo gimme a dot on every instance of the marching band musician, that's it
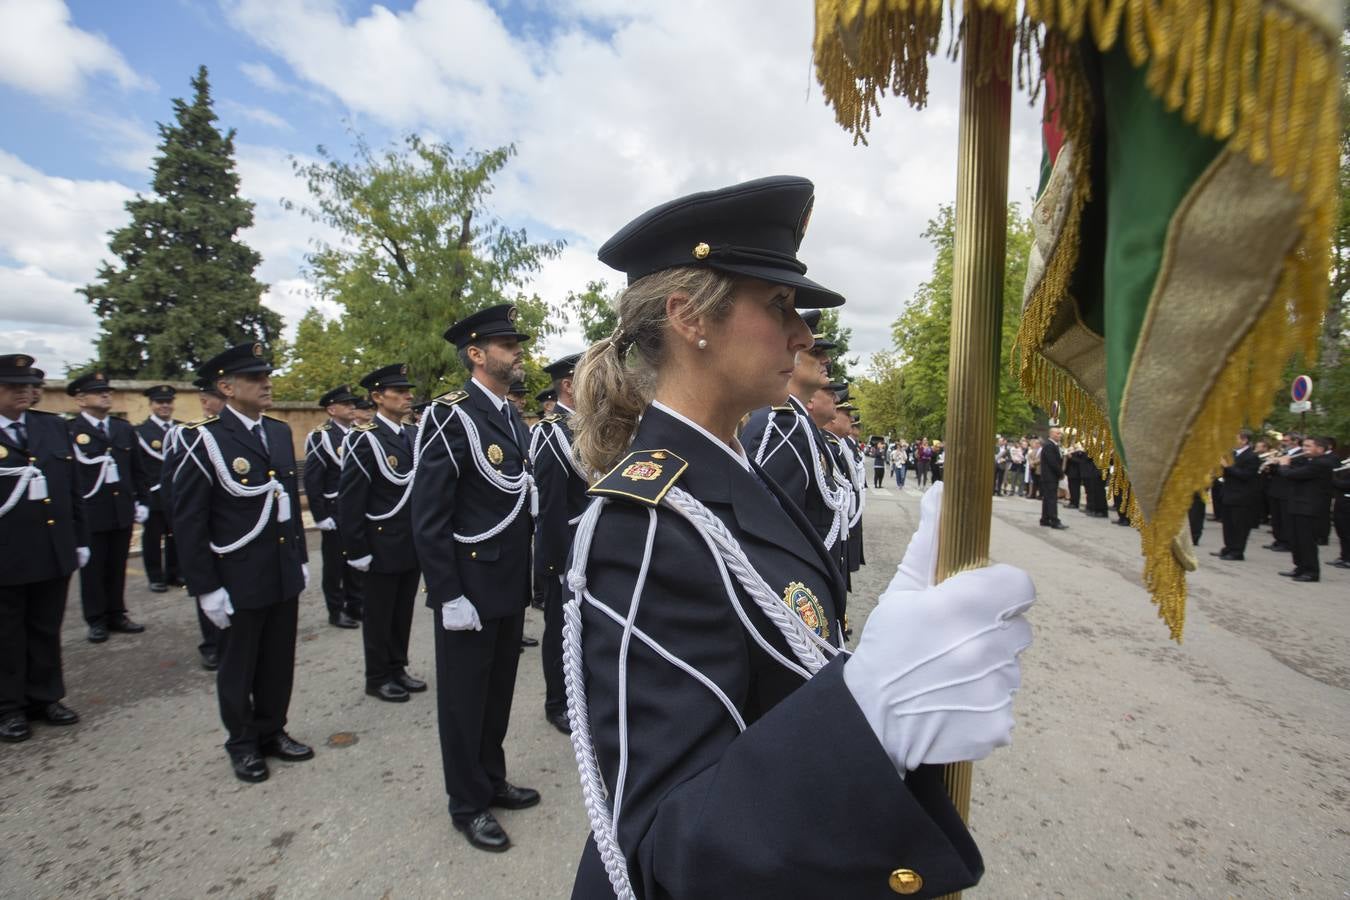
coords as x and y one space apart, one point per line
323 467
376 529
1241 498
236 511
702 636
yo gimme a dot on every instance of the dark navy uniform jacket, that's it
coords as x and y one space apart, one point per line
450 496
1241 480
364 490
266 570
788 461
38 537
323 469
804 802
562 495
1309 481
113 506
151 441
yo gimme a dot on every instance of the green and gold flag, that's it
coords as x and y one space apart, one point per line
1182 225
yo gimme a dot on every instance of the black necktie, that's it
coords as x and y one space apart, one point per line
510 424
407 442
258 433
20 435
103 429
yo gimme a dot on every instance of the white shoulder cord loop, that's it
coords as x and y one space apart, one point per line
269 489
24 475
522 485
809 648
149 451
403 481
565 447
106 461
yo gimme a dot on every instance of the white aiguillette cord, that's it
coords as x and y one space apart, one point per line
28 478
522 485
272 491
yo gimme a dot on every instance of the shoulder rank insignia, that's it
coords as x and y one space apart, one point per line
551 418
324 427
787 408
451 398
200 422
643 475
364 426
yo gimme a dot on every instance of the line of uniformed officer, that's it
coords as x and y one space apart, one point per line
157 550
323 467
236 515
376 527
43 539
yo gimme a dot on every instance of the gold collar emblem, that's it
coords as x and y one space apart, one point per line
643 470
240 466
81 439
800 600
495 455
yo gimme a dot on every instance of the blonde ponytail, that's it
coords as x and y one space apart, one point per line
616 379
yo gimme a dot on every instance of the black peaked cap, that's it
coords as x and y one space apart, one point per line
392 375
495 321
241 359
88 384
340 394
563 366
17 368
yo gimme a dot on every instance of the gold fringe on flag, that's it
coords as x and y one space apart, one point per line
1259 74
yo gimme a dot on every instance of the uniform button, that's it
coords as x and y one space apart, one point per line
379 528
47 500
906 881
282 540
243 480
114 493
51 521
473 554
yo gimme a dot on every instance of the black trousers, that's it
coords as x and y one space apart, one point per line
30 643
210 633
103 580
1095 489
1237 525
1196 518
999 475
1277 520
1049 502
1216 494
1341 514
387 622
551 650
475 682
257 670
878 475
342 585
157 550
1075 492
1303 531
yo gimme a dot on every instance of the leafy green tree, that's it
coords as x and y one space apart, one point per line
596 307
183 289
906 389
328 359
842 362
421 249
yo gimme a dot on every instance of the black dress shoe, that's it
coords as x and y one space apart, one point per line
97 634
125 626
410 684
286 748
559 721
55 714
158 587
356 615
1235 557
1292 573
1305 577
529 642
210 660
249 767
1340 563
485 833
342 620
1058 526
1221 554
537 604
14 728
511 797
177 581
1278 547
389 692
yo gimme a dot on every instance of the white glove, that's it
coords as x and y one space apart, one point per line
362 564
304 570
82 556
459 615
216 605
142 513
936 667
326 524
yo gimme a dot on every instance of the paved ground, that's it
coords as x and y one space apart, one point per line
1139 768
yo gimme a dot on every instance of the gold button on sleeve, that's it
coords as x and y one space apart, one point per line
906 881
473 554
51 521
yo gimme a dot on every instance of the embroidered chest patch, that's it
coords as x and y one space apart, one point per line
800 600
642 470
494 454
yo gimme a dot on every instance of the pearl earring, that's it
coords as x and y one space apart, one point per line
702 344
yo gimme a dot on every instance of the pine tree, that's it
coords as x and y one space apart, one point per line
184 289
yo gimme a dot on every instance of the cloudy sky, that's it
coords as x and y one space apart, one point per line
614 106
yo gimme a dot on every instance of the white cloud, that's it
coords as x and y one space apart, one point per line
44 53
255 114
261 74
681 97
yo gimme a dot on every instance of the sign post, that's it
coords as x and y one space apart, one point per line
1299 392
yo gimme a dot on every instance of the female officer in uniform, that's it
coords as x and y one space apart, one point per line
727 746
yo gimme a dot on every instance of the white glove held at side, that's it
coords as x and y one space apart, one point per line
304 570
459 615
936 666
216 605
362 564
142 513
82 556
326 524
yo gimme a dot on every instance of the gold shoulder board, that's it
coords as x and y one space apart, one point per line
200 422
643 475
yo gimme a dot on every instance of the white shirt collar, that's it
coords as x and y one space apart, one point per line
499 402
563 406
5 421
162 423
248 423
338 425
93 421
397 426
736 452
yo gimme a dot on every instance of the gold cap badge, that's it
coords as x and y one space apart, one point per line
240 466
494 454
22 362
257 349
511 314
701 250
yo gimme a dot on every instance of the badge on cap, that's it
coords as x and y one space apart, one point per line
257 350
22 362
643 470
155 444
805 220
701 250
81 439
240 466
403 369
803 602
494 454
392 460
511 314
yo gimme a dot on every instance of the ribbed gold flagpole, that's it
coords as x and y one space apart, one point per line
977 311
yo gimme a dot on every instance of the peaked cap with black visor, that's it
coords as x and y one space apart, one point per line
752 229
